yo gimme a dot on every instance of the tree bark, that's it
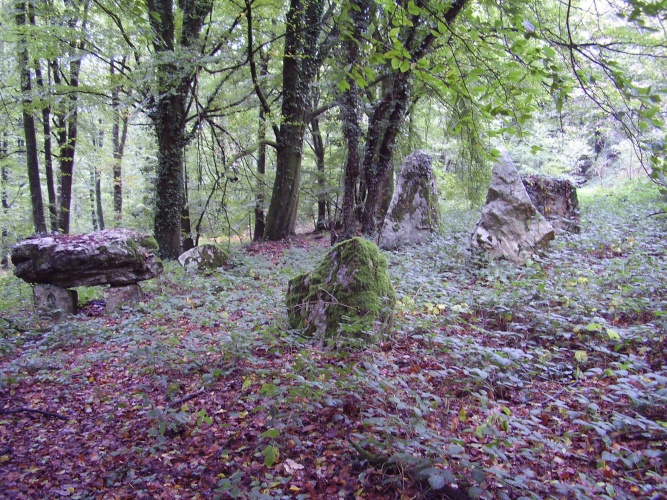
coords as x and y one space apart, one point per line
29 132
299 68
119 137
260 223
389 114
359 14
169 114
318 148
46 128
4 178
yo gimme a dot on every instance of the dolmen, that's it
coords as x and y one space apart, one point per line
510 226
119 258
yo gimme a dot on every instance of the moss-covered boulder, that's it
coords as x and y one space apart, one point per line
204 258
348 295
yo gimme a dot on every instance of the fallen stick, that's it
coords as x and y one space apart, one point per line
31 410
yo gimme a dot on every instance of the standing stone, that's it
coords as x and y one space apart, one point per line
413 212
348 295
118 296
54 300
204 258
556 200
510 227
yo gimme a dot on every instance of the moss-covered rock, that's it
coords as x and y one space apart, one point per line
204 258
348 295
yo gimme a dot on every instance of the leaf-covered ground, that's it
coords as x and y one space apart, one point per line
545 381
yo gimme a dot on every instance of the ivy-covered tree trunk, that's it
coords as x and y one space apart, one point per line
169 112
169 121
29 132
359 14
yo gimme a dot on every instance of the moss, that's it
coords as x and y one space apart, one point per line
149 242
349 293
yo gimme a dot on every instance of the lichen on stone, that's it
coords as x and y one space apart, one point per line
348 295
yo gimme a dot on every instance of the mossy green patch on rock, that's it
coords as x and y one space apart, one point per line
349 294
150 243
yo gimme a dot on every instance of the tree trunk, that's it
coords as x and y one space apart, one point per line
169 113
261 177
350 117
46 126
381 139
119 137
299 68
29 127
169 121
4 177
98 179
91 196
318 148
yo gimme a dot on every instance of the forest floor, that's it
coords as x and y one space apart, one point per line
543 381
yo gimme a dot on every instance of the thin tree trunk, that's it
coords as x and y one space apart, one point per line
98 180
119 137
4 176
46 126
29 127
318 147
260 223
91 195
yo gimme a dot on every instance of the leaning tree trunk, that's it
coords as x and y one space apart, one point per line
382 132
29 127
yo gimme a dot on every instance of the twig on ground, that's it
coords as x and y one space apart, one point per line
32 410
187 398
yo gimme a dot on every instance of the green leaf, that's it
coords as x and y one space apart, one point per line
581 356
271 455
613 334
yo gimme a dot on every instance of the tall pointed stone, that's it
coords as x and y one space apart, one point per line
413 214
510 226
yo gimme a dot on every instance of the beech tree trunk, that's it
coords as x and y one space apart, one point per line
119 137
29 132
46 128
